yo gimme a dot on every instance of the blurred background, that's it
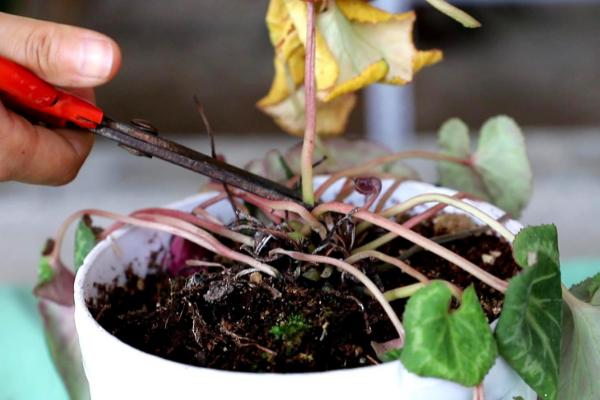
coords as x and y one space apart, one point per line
536 60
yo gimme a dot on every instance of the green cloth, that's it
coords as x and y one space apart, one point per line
26 371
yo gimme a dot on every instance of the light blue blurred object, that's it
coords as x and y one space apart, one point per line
389 109
27 373
576 270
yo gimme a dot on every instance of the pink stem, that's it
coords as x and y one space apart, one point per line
217 246
259 202
212 201
386 196
414 237
431 212
206 215
347 189
310 132
219 188
404 267
478 393
282 205
208 225
256 201
168 225
59 237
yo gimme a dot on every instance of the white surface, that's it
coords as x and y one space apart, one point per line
118 371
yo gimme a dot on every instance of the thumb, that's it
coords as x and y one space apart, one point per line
61 54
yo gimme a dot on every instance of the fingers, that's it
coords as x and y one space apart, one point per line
62 55
34 154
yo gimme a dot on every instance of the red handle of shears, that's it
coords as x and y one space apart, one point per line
25 92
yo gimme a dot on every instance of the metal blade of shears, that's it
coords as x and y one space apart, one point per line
150 144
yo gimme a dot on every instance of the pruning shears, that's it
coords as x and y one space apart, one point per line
24 92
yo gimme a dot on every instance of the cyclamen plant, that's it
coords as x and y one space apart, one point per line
443 332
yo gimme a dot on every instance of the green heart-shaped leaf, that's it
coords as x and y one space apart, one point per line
456 345
499 170
501 160
85 240
529 328
453 139
533 240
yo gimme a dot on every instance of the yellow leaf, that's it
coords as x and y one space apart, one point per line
326 68
282 31
331 116
356 45
288 76
369 75
425 58
359 11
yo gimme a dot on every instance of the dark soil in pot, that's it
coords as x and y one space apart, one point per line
211 317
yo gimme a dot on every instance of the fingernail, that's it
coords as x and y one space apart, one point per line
96 59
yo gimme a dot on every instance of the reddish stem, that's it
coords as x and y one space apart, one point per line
310 95
414 237
478 393
404 267
256 201
282 205
386 195
212 201
166 224
203 223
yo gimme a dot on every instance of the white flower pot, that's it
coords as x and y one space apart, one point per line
116 370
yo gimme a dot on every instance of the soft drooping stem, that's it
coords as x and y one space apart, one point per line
408 290
387 195
403 292
456 203
416 219
288 206
217 246
310 131
358 274
211 201
169 225
414 237
192 219
445 201
404 267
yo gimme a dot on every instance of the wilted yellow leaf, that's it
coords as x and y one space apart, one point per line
356 45
288 76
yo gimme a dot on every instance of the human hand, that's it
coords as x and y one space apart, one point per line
72 58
